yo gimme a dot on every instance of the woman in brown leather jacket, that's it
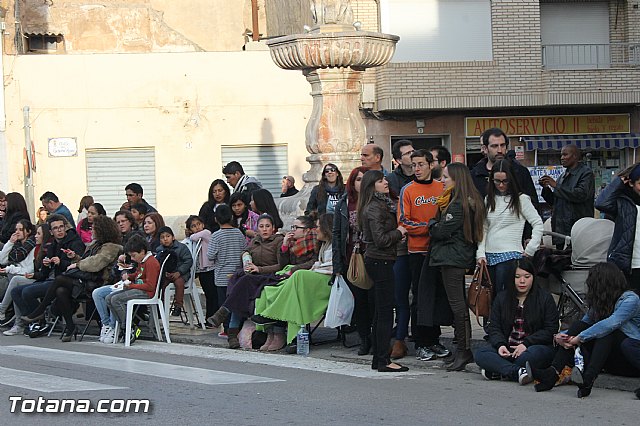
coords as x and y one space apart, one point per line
381 233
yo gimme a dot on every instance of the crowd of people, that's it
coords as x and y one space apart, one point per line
421 229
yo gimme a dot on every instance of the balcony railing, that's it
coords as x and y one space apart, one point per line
590 56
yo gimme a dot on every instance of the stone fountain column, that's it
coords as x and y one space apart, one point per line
333 56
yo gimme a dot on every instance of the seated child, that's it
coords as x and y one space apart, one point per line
177 272
225 251
142 285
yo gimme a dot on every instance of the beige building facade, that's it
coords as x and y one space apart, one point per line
184 80
156 92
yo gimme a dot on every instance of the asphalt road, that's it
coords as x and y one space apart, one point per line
196 385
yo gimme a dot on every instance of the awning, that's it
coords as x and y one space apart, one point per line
607 141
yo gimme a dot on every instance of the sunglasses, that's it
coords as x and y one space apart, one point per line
501 182
330 170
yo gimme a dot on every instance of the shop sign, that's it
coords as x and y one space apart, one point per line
63 147
538 171
540 125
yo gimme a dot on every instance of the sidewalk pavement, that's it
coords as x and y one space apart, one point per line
325 346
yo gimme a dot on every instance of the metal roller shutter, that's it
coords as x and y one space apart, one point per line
267 163
110 170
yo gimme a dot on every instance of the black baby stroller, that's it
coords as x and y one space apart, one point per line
564 272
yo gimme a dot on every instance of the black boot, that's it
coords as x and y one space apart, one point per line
461 360
365 345
584 381
546 376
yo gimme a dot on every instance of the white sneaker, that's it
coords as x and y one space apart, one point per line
523 376
103 332
108 337
15 330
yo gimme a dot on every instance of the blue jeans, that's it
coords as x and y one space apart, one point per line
402 275
235 320
501 274
26 297
540 356
99 296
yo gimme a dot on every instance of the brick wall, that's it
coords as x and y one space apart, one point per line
515 77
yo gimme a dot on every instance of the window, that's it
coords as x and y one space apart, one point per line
439 30
110 170
44 43
575 35
267 163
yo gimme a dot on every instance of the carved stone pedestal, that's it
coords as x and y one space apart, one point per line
333 57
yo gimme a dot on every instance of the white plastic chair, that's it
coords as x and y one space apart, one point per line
192 298
157 307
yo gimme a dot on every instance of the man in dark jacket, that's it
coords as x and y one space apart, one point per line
494 145
135 193
403 173
288 187
441 157
572 195
234 173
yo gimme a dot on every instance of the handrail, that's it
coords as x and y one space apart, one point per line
590 55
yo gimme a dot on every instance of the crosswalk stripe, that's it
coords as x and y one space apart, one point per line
272 359
147 368
47 382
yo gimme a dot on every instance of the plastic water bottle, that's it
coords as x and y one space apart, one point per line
303 341
578 360
246 259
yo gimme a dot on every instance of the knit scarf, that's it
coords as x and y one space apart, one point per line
443 200
393 207
305 245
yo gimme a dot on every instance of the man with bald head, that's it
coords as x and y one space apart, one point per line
371 156
572 195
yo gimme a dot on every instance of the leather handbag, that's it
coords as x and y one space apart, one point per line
356 274
480 290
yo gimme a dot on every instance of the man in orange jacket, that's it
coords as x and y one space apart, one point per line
417 206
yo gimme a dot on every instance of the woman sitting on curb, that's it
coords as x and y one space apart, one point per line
524 319
608 335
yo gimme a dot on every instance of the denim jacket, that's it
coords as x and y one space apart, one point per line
625 316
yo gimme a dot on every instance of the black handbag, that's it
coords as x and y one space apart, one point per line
77 274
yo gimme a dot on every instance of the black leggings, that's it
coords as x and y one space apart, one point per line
602 353
60 290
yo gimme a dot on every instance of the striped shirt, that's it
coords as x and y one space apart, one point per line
225 251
